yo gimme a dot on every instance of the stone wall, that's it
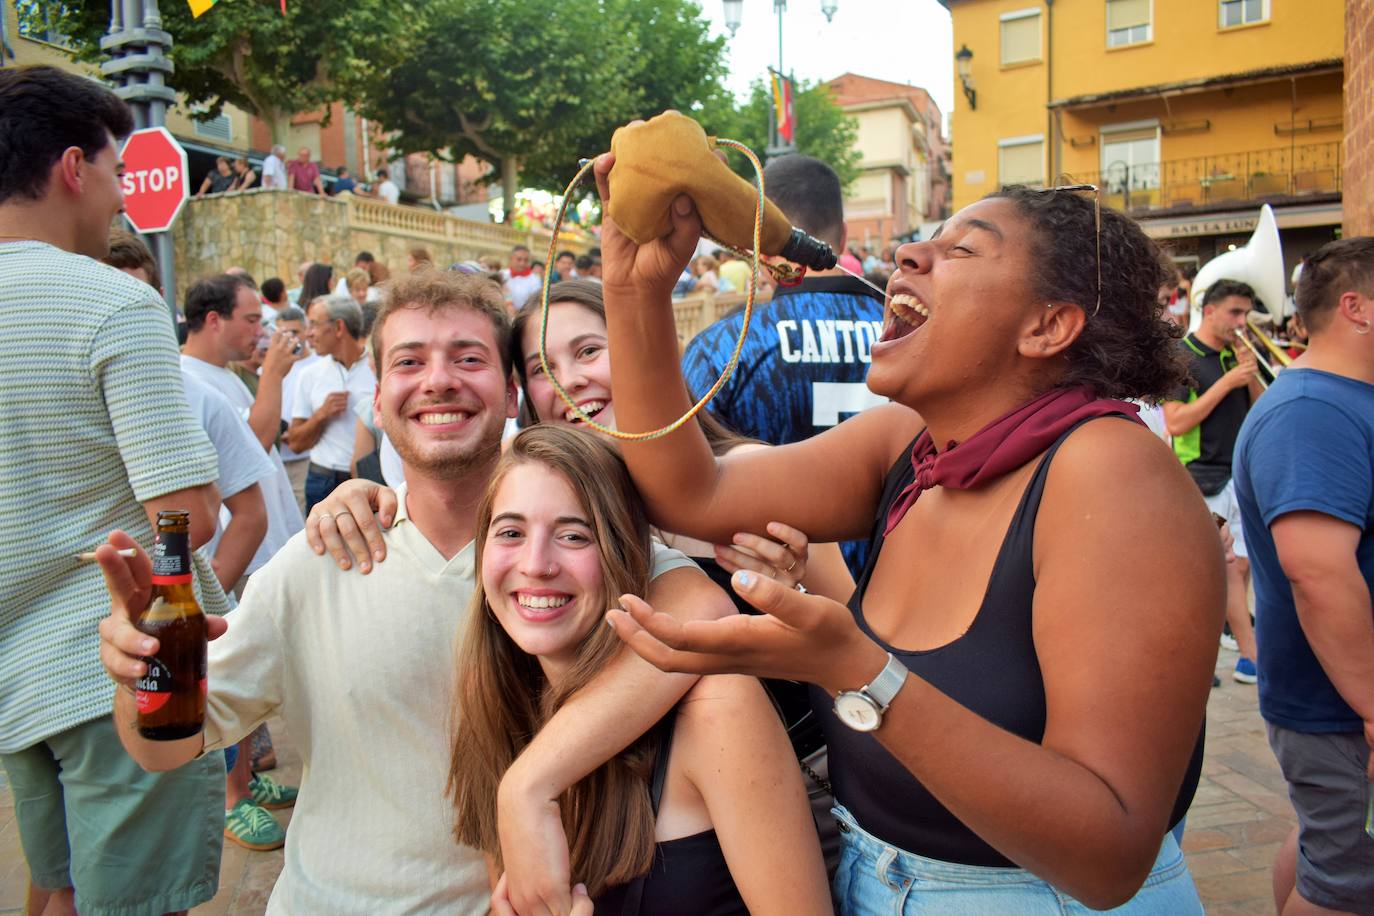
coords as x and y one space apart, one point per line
270 232
1358 191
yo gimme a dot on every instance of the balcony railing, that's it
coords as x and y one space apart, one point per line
1228 178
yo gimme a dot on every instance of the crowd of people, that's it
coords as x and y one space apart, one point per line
919 616
301 174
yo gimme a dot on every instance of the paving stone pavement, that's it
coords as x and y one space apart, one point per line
1240 817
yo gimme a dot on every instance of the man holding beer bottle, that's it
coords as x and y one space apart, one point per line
360 668
97 434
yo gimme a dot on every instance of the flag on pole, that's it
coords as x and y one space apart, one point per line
784 116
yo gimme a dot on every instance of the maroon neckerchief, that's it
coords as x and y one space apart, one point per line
1003 445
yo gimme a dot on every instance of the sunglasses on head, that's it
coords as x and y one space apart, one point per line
1097 223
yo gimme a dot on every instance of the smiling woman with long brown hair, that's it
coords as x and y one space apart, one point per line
705 813
1013 699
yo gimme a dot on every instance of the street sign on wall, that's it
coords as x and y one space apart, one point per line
155 182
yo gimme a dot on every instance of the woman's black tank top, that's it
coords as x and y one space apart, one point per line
992 670
689 876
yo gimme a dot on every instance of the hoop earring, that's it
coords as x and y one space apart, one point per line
1362 327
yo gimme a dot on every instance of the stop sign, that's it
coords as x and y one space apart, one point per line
155 181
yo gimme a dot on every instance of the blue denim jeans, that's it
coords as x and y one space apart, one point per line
318 486
875 878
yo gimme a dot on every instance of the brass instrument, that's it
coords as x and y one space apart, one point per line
1264 373
1259 263
1269 356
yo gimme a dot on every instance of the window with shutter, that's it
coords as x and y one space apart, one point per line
1020 37
1242 12
1021 161
1130 159
1128 22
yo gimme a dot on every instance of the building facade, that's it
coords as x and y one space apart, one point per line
905 177
1188 114
1359 118
338 138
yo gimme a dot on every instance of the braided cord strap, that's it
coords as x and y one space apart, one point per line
739 343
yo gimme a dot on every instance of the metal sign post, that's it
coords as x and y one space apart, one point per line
138 69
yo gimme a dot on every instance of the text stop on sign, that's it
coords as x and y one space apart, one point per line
155 182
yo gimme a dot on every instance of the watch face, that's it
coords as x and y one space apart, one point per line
857 711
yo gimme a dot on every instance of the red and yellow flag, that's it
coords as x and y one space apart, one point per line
783 114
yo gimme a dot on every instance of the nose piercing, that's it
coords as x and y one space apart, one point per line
550 572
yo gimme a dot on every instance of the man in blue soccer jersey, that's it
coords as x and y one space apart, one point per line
804 362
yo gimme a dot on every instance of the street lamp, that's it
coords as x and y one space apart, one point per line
964 60
734 9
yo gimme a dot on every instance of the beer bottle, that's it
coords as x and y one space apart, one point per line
171 696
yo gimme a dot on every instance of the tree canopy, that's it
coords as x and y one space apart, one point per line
529 86
246 53
532 87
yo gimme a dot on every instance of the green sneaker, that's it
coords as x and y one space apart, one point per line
268 793
252 827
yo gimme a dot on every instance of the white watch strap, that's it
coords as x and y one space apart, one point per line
890 680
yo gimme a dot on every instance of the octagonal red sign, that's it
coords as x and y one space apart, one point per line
155 181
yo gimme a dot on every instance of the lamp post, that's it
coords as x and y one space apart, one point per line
734 11
138 68
964 60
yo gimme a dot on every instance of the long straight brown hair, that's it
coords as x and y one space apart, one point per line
504 698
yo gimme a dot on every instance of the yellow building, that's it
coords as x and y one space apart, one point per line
1187 113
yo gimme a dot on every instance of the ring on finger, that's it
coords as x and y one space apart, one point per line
323 515
793 566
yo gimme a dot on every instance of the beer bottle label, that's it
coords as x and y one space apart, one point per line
154 689
172 558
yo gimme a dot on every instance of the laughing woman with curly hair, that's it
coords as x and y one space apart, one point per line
1014 697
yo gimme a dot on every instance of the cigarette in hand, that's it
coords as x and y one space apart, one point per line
90 557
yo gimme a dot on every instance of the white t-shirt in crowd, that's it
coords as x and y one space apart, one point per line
1152 415
242 461
367 695
519 289
334 449
283 512
288 395
274 172
388 191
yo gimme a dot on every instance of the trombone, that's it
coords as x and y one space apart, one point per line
1259 343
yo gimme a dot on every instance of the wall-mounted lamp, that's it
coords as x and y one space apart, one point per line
734 10
964 60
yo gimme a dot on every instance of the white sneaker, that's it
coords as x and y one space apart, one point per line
1229 642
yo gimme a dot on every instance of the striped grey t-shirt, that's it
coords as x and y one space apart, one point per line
93 420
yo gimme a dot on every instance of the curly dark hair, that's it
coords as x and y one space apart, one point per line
1127 349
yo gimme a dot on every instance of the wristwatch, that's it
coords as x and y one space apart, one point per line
862 709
